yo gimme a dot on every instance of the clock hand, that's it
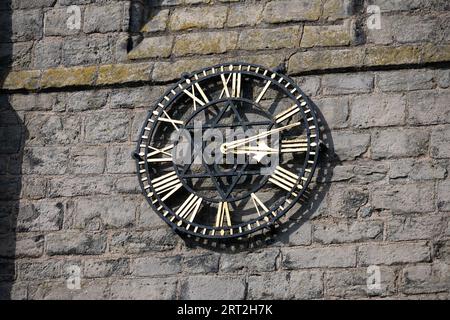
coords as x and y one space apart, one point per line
225 146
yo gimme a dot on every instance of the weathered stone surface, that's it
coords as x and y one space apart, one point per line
201 263
87 160
57 290
377 56
26 79
119 160
328 232
122 73
337 9
417 227
66 77
324 36
42 215
88 50
407 143
135 97
389 6
166 71
74 242
33 187
101 128
299 258
405 80
147 218
425 279
443 78
254 261
152 48
427 107
205 43
291 10
310 85
349 145
405 29
296 285
52 129
256 39
127 185
205 287
157 22
198 17
142 241
353 283
106 18
100 212
101 268
335 110
156 266
443 190
25 25
297 235
79 186
439 141
144 289
416 170
336 84
346 200
40 270
244 14
393 253
48 53
325 59
435 53
56 23
377 110
85 100
45 160
417 197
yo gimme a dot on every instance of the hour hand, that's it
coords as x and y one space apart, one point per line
259 151
230 145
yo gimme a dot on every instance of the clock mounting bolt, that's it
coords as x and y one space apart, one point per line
185 75
135 155
281 68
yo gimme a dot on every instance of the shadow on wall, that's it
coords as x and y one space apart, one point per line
141 13
12 137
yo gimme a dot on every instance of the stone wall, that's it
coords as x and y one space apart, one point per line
72 101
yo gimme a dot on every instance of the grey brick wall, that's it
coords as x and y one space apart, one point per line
72 102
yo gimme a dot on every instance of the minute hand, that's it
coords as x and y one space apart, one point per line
225 146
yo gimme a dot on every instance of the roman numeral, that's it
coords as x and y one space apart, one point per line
169 119
287 113
167 184
235 85
157 152
189 208
263 92
223 216
258 203
193 96
285 179
295 145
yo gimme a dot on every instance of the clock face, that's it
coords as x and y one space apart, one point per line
227 150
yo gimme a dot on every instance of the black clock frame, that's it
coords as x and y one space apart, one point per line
273 217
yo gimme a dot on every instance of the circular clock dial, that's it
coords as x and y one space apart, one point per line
227 150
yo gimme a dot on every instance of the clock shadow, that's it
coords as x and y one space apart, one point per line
284 231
